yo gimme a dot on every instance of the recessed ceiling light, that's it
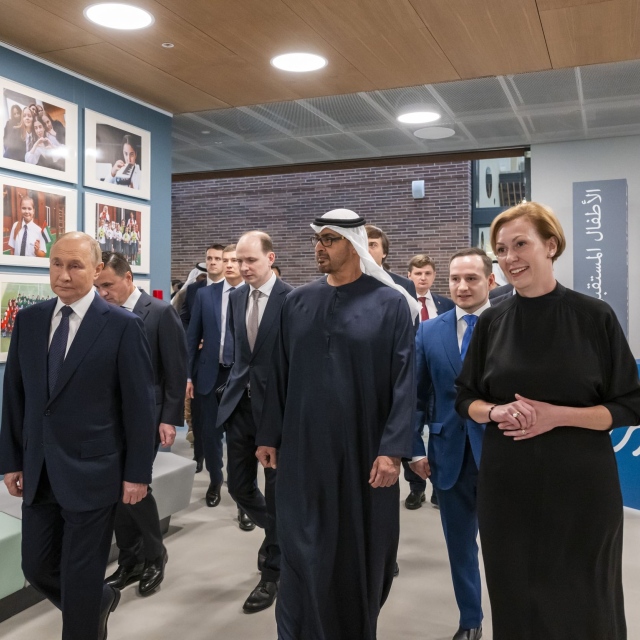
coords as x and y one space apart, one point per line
168 45
434 133
418 117
118 16
205 132
299 62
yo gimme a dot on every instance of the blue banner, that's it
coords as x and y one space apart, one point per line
600 243
626 444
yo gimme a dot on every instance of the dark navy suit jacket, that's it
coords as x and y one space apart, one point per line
442 303
251 367
204 325
438 365
168 346
97 428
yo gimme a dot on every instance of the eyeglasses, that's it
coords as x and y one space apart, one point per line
325 241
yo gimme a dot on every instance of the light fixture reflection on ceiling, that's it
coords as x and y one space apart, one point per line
299 62
118 16
167 45
434 133
418 117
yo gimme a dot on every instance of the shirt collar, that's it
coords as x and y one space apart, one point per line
80 307
426 295
226 286
267 287
461 312
132 300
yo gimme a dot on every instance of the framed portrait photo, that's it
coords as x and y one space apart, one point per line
117 156
34 216
121 226
39 133
18 291
144 284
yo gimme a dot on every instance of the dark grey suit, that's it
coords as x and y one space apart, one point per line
137 527
241 410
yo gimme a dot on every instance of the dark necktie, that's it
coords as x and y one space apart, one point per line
227 347
58 347
253 319
23 246
424 312
471 320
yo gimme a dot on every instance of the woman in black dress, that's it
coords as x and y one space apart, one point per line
551 373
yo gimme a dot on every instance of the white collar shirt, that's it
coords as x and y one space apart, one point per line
34 233
80 308
430 304
461 324
265 290
132 300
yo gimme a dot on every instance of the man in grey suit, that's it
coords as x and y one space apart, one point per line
142 554
254 320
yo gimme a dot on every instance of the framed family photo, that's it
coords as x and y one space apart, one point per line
117 156
39 133
34 216
18 291
119 225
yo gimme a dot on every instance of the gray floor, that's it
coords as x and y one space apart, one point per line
212 568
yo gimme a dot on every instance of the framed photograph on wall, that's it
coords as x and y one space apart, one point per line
120 225
144 284
117 156
18 291
39 133
34 215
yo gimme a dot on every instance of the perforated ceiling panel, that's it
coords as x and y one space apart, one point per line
564 104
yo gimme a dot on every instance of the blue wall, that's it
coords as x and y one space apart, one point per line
31 73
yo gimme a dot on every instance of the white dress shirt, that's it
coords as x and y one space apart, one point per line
265 290
80 308
34 232
430 304
226 289
132 300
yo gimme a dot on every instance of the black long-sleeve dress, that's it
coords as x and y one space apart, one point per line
550 507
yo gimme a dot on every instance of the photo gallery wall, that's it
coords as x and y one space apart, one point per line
41 139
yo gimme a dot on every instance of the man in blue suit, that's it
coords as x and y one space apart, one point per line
454 444
77 434
210 357
255 322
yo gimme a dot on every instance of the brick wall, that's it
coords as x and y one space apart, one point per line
284 205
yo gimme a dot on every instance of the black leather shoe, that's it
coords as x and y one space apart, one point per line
104 614
212 497
245 522
124 576
261 597
468 634
199 463
262 558
153 574
414 500
434 500
396 571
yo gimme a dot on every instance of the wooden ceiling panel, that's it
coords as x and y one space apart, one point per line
493 37
385 39
594 33
109 65
36 30
546 5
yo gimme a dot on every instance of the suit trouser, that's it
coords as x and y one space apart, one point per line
207 439
242 470
64 556
460 523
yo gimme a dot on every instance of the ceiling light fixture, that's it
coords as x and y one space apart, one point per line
434 133
168 45
299 62
418 116
118 16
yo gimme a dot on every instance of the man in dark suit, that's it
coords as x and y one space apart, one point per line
210 356
142 556
215 273
454 444
77 434
255 321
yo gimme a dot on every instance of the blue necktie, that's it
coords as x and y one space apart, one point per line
471 320
227 348
58 347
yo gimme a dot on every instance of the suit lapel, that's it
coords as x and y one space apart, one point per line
268 317
143 306
90 328
450 340
241 322
41 340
